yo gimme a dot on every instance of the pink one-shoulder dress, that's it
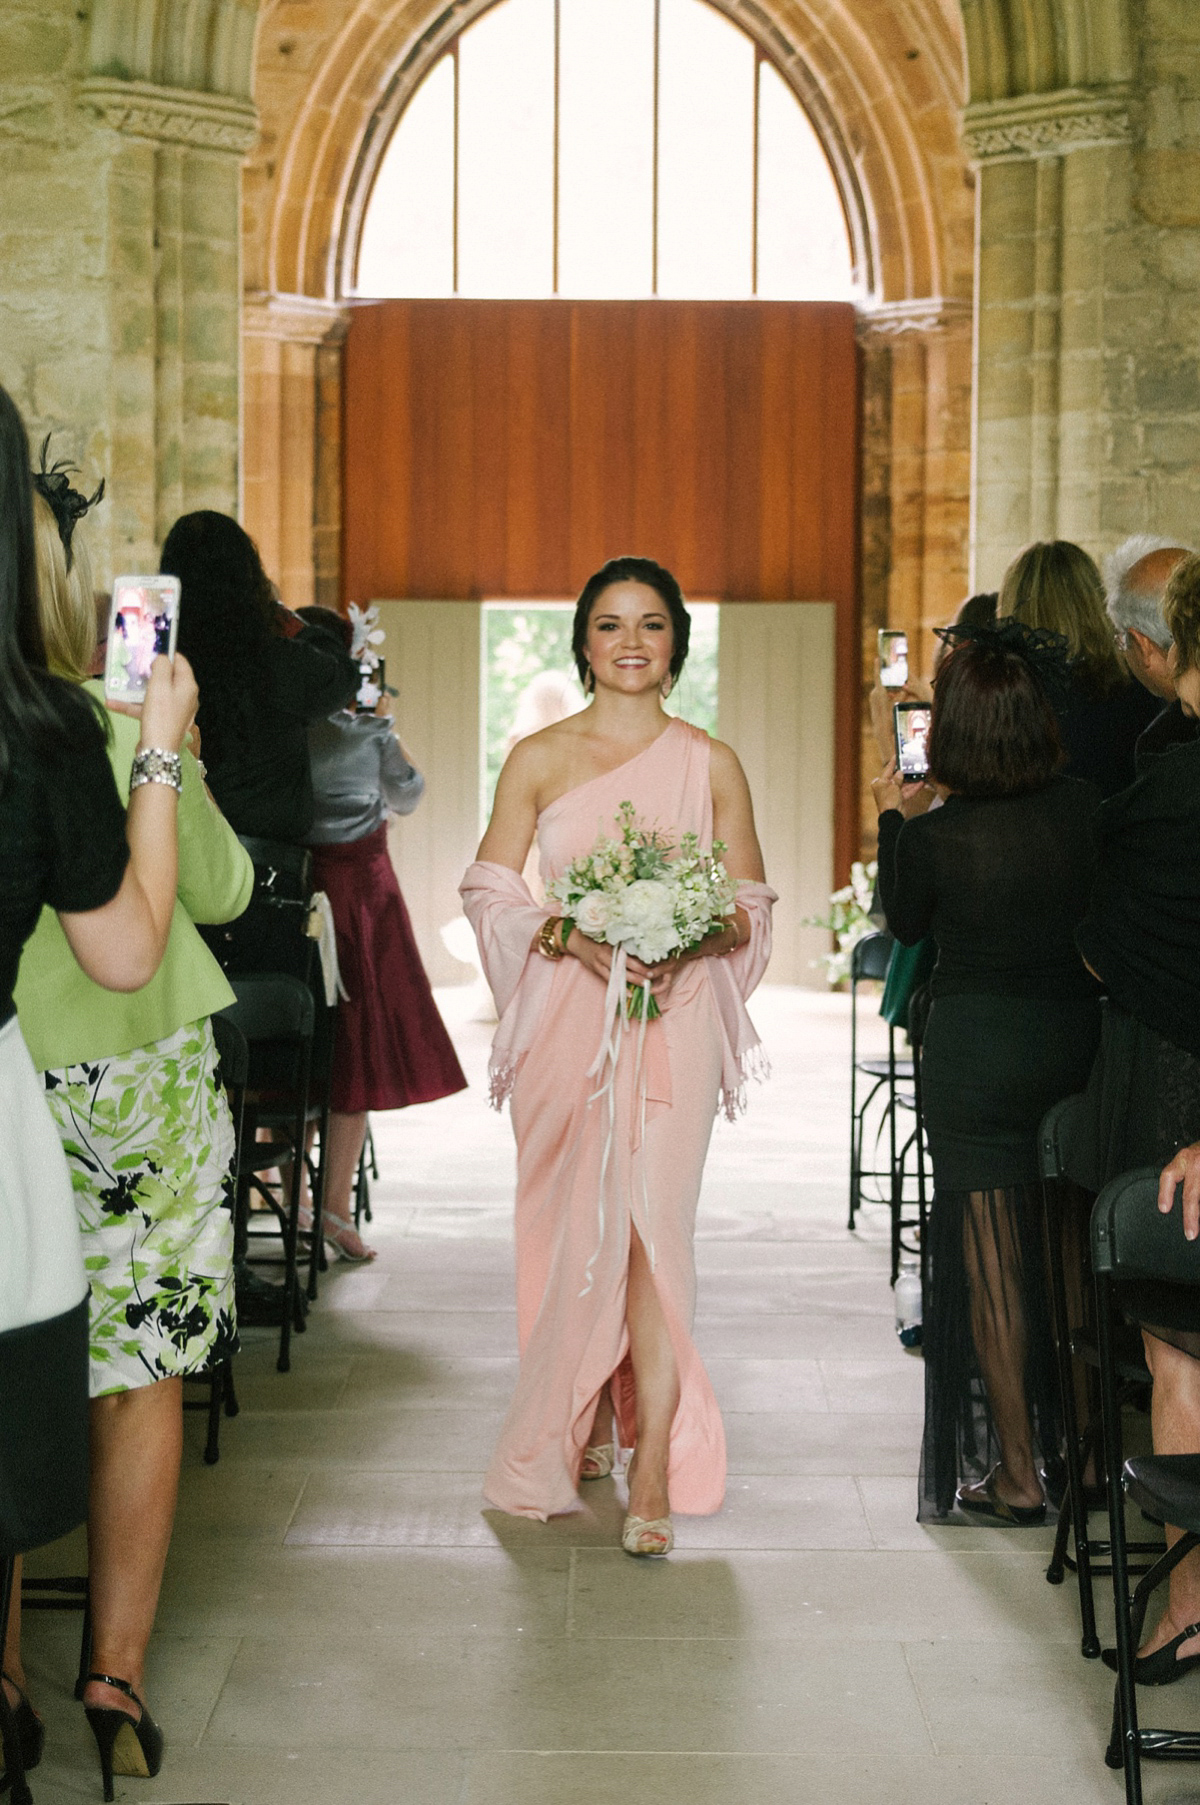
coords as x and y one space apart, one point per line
594 1165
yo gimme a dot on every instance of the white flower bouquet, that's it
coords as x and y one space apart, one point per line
638 892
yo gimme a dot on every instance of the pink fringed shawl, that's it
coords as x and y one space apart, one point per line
498 904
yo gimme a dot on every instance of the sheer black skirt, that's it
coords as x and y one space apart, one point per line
991 1068
1141 1106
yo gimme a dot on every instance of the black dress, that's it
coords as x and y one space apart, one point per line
1001 885
256 745
1141 935
62 843
1100 732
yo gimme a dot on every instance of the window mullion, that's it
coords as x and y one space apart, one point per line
758 61
454 54
557 124
654 157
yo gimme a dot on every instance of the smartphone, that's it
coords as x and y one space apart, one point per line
912 740
370 688
893 658
143 621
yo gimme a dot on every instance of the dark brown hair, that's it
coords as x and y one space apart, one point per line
994 732
632 570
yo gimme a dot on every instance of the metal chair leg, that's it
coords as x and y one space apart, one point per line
1124 1749
14 1768
1077 1514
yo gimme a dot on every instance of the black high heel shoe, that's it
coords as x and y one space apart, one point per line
1163 1667
31 1731
127 1745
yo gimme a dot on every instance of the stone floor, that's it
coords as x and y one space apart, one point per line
342 1622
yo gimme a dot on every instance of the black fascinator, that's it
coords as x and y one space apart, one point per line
1046 653
68 505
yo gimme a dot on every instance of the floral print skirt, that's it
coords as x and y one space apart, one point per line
149 1142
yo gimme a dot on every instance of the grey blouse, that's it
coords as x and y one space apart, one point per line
359 777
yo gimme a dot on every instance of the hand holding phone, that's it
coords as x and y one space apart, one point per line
893 658
143 624
912 724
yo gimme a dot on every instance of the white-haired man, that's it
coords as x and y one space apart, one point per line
1135 577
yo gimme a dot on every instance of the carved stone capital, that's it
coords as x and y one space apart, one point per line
185 116
1046 125
927 314
296 319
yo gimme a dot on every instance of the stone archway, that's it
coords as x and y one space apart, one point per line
884 82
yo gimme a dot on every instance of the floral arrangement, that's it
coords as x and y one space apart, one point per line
848 919
631 892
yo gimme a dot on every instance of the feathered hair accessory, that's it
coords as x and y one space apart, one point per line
66 504
1046 653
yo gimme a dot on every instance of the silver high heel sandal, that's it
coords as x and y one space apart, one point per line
650 1538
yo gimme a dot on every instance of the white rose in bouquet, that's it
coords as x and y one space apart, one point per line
643 920
592 913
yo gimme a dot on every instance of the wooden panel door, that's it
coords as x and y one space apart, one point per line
505 449
776 703
432 651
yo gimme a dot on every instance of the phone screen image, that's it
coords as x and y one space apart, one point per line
893 659
912 740
143 623
370 688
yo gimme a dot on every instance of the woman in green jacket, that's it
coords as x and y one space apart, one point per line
130 1083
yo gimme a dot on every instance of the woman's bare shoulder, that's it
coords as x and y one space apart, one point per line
536 759
724 764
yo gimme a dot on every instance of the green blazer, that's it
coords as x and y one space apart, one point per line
66 1018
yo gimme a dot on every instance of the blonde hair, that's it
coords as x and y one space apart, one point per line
66 605
1181 607
1055 585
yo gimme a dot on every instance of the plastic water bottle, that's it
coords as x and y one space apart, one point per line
908 1306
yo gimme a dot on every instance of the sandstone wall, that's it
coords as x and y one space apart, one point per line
120 300
1088 395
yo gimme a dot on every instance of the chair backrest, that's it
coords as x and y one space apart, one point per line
1131 1238
282 872
869 957
232 1052
1052 1135
273 1007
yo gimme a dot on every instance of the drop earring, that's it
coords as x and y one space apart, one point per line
666 686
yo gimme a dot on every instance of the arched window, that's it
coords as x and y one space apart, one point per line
605 148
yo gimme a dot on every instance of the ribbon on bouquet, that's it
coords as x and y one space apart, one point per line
604 1070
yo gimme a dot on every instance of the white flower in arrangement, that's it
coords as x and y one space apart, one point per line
643 920
592 912
634 894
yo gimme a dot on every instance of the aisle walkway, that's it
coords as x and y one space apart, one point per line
342 1623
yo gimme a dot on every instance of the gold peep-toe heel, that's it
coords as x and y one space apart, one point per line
599 1460
650 1538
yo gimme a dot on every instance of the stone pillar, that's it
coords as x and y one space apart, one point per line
292 441
119 320
916 484
1088 328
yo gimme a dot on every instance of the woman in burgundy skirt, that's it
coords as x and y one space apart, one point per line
391 1047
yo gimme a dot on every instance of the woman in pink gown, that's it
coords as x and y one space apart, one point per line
608 1174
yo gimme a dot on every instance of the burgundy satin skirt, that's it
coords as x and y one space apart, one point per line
391 1046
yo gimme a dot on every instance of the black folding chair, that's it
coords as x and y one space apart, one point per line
233 1064
1078 1342
276 1016
1131 1239
893 1083
368 1169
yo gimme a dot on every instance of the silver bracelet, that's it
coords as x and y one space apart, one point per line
154 765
